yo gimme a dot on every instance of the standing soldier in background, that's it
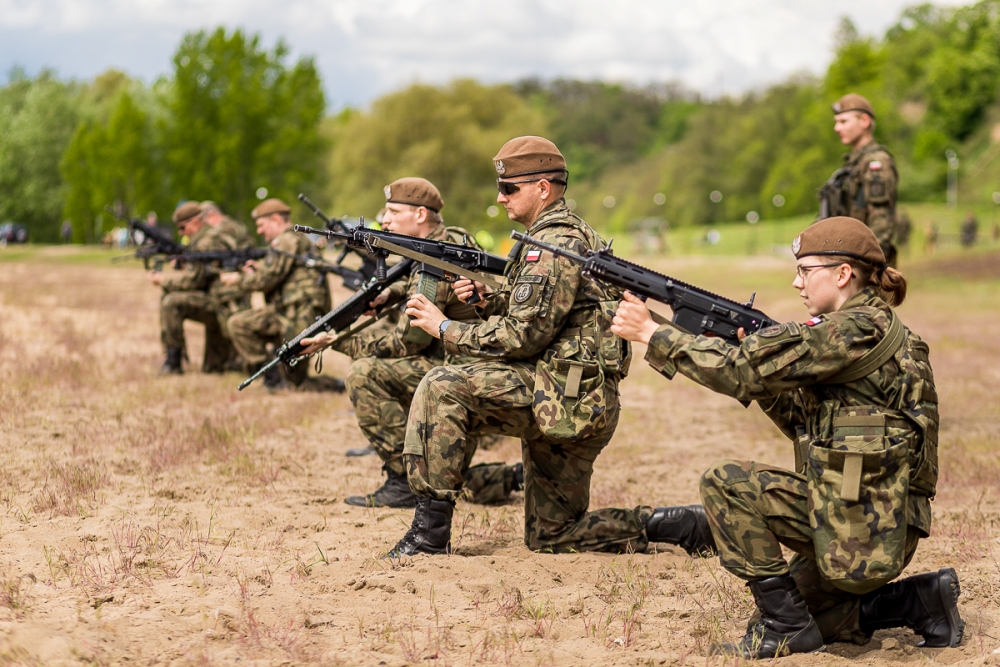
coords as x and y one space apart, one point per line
390 362
192 294
295 295
865 186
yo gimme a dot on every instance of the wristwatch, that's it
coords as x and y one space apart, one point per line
444 325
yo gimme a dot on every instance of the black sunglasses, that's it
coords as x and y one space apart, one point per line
507 188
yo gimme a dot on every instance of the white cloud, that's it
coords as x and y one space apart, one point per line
367 47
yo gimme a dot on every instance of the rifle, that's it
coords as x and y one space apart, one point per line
696 311
230 260
367 269
437 258
353 280
830 190
338 319
155 241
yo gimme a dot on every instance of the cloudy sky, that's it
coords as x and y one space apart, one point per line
367 47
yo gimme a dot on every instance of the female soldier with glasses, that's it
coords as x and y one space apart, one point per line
853 388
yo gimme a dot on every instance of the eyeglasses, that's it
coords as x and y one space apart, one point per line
803 271
507 188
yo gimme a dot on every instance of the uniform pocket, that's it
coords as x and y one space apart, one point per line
570 400
857 509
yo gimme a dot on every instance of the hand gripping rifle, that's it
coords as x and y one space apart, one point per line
338 319
696 311
442 260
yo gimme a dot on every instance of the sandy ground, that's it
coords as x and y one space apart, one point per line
176 521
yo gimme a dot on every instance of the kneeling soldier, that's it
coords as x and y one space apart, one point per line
390 362
295 295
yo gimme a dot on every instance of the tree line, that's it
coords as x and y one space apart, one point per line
234 117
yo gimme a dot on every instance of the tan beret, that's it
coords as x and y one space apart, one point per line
853 102
186 211
209 204
528 155
415 192
269 206
839 236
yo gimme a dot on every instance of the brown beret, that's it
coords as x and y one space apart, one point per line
269 206
528 155
209 204
186 211
853 102
839 236
415 192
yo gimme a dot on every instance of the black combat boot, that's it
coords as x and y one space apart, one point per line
172 364
517 477
686 526
430 532
926 603
360 451
395 492
273 379
785 624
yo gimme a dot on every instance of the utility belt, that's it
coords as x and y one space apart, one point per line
858 481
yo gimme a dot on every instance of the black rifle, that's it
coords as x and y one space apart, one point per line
230 260
440 259
367 269
155 241
336 320
697 311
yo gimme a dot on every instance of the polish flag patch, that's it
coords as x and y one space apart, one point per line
875 165
533 256
814 321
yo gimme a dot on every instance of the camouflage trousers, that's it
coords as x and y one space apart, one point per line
754 509
252 330
454 402
381 391
175 307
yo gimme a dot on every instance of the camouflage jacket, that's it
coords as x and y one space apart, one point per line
865 188
548 308
296 291
402 340
786 367
236 231
199 275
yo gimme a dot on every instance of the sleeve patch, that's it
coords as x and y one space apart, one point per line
531 279
533 255
875 165
814 321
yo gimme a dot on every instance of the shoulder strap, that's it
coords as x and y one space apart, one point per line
872 360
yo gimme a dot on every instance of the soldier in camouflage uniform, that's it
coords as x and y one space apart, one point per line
295 295
865 185
390 362
853 388
193 294
548 373
227 226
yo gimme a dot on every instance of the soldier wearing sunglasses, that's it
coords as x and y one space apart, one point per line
547 372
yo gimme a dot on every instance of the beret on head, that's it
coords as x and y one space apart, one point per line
523 156
186 211
269 206
208 204
853 102
839 236
415 192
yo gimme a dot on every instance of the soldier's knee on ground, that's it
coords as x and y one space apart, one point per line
239 324
358 374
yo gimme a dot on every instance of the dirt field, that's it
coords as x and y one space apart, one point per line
176 521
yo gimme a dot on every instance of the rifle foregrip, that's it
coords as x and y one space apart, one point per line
475 298
380 269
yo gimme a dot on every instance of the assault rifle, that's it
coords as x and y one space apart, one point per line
337 320
367 269
442 260
155 241
697 311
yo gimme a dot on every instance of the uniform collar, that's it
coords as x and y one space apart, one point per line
439 233
866 297
558 208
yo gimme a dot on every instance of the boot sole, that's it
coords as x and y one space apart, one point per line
949 589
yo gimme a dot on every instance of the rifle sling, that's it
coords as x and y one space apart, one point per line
358 327
872 360
436 263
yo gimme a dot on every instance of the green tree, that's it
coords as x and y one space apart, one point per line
238 117
447 135
37 120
